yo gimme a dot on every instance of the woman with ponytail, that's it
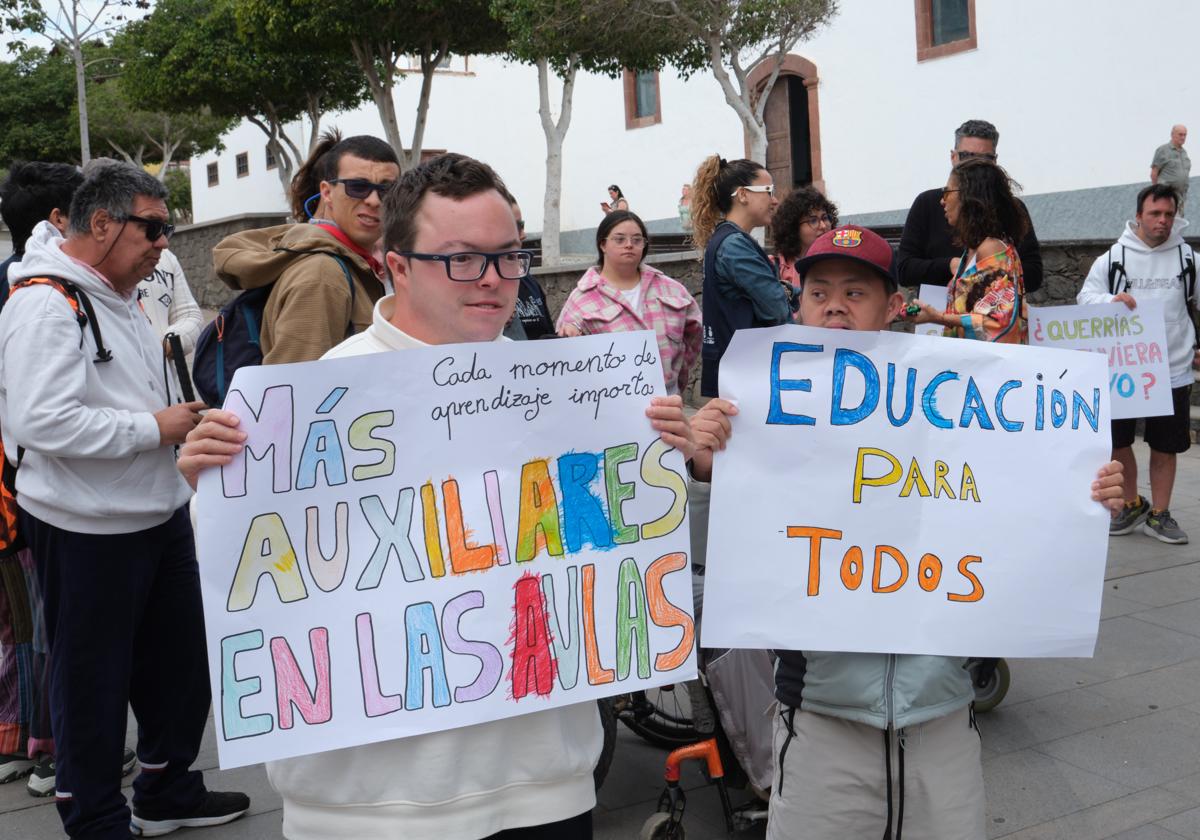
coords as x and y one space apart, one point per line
741 288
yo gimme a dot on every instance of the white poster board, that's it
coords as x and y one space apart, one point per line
935 296
887 494
1134 342
438 537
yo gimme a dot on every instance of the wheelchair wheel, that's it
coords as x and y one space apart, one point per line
989 696
658 827
662 717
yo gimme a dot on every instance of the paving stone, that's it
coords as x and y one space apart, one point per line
1188 787
1026 788
1034 678
1146 832
1150 750
1166 586
1186 824
1113 605
1104 820
1129 646
1015 727
1184 617
1167 687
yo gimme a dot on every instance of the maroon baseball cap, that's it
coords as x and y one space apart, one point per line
851 242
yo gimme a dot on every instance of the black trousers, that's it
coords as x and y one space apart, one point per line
576 828
126 628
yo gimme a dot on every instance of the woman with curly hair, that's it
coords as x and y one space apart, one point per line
986 298
803 216
741 289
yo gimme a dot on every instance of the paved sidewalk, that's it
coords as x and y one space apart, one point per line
1082 748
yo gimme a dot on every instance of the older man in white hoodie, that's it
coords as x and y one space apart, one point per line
82 399
1152 262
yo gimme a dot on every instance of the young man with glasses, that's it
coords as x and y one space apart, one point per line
927 252
326 274
105 514
454 256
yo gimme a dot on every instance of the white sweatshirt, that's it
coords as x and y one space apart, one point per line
93 463
1153 274
460 784
168 302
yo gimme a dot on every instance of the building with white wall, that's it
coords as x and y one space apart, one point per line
1082 93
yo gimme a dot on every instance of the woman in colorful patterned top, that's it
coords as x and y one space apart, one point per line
620 294
986 298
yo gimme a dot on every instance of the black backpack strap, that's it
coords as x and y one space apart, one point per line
1116 272
80 304
103 354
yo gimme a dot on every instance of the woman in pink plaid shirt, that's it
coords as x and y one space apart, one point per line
620 294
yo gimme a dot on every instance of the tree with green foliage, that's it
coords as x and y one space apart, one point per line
70 25
732 37
378 34
191 53
143 136
179 194
562 37
37 98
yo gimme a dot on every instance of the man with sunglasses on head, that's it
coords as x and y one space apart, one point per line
455 259
927 252
326 274
85 411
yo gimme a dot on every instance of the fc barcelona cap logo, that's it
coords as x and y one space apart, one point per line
847 238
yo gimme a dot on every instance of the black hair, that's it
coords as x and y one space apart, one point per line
1156 191
785 224
617 190
450 175
31 192
323 162
611 221
986 204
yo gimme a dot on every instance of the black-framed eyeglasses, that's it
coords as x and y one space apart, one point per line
469 266
978 156
360 188
947 190
154 227
815 222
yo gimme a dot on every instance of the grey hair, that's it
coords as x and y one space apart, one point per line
982 129
111 187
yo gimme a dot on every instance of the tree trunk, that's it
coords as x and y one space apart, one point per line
315 111
555 134
429 64
85 142
283 162
381 89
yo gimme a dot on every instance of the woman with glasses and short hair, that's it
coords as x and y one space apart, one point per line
741 288
986 298
620 294
803 216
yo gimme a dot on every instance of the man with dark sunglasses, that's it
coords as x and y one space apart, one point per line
326 273
84 408
927 251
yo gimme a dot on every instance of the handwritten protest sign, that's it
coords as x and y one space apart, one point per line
888 494
439 537
935 296
1134 341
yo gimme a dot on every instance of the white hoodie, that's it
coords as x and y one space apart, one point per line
93 463
1154 274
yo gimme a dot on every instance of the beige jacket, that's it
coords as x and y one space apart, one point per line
310 305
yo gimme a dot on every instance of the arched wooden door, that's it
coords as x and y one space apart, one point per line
792 121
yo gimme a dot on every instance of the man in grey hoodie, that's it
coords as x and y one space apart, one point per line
83 402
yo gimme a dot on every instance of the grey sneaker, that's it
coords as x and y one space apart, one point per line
1163 527
1130 516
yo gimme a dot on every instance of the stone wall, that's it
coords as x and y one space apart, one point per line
193 246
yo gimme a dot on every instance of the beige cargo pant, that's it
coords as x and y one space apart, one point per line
832 781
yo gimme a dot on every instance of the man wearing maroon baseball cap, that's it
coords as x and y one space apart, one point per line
840 277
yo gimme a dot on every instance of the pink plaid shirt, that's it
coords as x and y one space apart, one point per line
666 306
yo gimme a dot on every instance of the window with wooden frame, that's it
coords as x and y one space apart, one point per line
214 175
642 104
242 164
945 27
